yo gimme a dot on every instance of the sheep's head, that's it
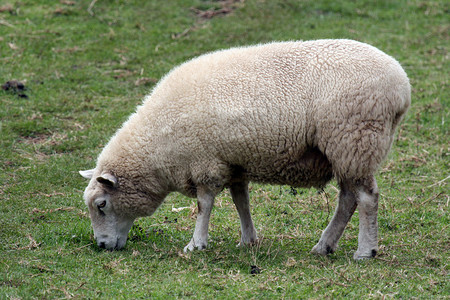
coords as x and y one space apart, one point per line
114 203
110 221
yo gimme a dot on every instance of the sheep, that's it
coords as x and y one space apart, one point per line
293 113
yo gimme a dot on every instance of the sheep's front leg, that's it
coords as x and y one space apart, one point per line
205 201
239 193
344 211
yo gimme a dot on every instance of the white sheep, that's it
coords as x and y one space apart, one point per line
295 113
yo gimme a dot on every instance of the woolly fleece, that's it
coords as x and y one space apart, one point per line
295 113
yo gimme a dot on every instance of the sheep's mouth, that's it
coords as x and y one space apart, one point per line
111 247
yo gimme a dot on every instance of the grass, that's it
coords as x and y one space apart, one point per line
87 64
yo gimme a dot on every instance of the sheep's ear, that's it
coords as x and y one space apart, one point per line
108 179
87 174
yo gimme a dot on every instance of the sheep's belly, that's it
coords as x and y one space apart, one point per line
312 169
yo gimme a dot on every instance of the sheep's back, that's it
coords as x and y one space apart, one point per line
264 108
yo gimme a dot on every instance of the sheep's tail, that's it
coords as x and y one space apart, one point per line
404 97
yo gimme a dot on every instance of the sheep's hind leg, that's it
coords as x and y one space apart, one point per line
344 211
239 193
368 224
205 200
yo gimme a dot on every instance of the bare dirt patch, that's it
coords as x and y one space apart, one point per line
45 139
225 7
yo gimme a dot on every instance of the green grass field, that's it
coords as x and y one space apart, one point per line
85 65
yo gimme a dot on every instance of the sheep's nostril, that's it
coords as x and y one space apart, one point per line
102 245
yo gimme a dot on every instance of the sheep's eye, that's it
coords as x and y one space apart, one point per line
101 204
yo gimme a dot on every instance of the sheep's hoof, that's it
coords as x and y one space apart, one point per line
188 248
360 255
322 249
250 243
192 246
